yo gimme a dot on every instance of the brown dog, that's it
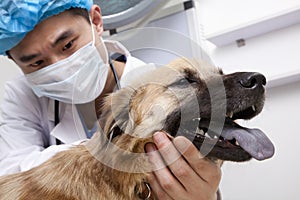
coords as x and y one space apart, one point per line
185 98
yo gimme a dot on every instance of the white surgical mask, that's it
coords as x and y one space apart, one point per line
78 79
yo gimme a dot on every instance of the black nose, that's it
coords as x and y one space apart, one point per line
252 80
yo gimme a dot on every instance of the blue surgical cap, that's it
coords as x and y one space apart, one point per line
18 17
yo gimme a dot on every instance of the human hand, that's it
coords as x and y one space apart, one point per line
187 176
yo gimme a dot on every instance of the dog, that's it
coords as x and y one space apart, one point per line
186 97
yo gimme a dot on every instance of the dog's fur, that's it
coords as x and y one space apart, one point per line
104 167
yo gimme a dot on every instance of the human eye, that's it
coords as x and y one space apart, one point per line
37 63
68 45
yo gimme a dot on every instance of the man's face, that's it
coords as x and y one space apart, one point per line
52 40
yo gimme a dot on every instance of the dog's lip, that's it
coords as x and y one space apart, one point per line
253 141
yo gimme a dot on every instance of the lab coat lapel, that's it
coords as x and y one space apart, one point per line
69 129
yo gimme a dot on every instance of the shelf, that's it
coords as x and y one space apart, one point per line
255 28
283 79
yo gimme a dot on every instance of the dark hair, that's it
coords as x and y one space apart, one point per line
81 12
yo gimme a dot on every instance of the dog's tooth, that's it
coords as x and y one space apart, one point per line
253 108
237 143
196 119
200 131
230 114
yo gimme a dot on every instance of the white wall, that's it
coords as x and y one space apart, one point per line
275 54
277 46
219 15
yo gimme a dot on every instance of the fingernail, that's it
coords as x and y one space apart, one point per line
150 147
159 137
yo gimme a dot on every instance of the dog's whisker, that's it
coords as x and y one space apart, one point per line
254 108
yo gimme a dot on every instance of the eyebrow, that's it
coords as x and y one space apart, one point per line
60 38
28 58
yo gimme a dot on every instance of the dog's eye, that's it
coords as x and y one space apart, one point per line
186 81
182 81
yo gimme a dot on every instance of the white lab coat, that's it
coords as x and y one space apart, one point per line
27 132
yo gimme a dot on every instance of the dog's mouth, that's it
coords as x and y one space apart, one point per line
230 141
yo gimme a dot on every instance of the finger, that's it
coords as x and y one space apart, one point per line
164 177
157 191
166 148
205 168
184 173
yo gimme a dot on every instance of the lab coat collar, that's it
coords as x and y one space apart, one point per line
116 47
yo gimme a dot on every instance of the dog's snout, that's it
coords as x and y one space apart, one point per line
252 80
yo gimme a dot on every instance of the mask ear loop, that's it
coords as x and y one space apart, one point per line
109 59
93 31
105 53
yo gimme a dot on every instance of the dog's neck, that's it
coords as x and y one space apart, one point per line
125 172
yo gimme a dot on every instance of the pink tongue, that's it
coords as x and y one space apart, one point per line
254 141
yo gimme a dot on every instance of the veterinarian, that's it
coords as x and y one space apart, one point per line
66 66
